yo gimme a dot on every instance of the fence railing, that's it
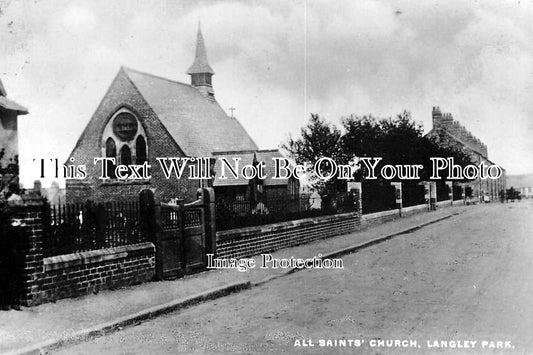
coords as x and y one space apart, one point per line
378 196
74 228
238 214
443 191
413 194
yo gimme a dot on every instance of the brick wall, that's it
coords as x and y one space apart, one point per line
89 272
245 242
379 217
48 279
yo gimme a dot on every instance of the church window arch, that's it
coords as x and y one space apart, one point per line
140 150
125 155
125 139
110 152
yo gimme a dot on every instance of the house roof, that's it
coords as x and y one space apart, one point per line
8 104
433 132
247 157
200 64
198 124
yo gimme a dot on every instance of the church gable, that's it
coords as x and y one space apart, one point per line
123 123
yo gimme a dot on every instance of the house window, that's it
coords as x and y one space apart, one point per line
140 150
110 152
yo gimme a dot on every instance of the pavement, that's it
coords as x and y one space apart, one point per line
38 329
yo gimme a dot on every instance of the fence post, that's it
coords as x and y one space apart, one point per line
150 215
433 195
399 196
208 196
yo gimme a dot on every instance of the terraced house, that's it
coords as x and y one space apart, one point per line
450 132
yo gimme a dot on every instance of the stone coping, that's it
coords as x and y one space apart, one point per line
94 256
415 208
381 214
247 231
444 203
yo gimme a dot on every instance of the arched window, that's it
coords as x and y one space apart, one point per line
110 152
125 155
140 150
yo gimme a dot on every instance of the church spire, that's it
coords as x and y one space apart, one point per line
200 71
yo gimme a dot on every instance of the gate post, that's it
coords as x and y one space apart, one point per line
356 189
450 191
150 215
27 228
208 196
399 197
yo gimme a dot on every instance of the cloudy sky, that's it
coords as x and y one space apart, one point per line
278 61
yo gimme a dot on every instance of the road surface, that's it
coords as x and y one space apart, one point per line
460 286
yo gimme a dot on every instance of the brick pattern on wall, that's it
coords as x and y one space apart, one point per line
277 236
45 280
372 219
84 279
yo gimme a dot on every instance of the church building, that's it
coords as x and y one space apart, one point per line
143 117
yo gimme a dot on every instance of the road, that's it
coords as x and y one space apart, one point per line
465 282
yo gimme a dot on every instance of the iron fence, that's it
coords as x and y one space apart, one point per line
244 213
74 228
443 191
413 194
378 196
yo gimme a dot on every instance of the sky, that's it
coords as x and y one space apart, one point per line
276 62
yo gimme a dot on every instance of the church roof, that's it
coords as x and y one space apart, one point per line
7 104
197 124
200 64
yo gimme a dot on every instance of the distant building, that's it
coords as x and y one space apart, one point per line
9 112
449 132
522 183
143 117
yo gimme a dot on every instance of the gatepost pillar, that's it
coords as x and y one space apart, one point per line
433 195
450 191
399 196
208 196
356 189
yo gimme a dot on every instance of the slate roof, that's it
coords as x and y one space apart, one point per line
247 157
8 104
198 125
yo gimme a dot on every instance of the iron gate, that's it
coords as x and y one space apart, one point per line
183 234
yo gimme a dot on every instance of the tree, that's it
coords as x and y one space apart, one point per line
397 140
317 139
